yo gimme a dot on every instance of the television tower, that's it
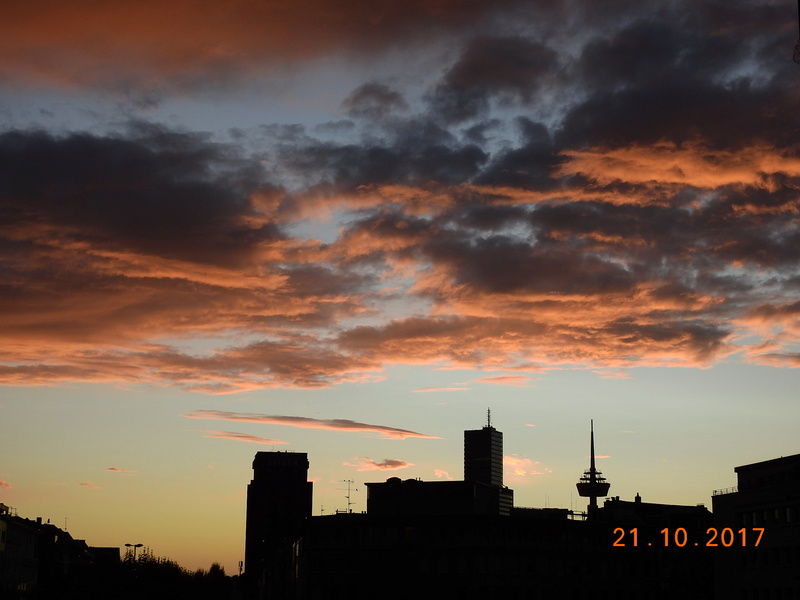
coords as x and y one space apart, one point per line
592 484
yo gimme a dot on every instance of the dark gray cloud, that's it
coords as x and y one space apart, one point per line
692 71
374 101
502 68
153 190
416 159
529 165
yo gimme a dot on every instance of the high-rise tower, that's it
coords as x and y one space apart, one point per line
592 484
278 503
483 455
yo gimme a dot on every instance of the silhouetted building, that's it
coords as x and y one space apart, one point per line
765 505
19 564
413 497
483 455
41 561
363 556
464 539
278 503
661 545
481 492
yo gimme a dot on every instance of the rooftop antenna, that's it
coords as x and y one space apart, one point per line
349 482
592 484
489 410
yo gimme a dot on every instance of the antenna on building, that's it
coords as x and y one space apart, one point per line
488 417
349 482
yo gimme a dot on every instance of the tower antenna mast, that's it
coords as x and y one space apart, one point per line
592 484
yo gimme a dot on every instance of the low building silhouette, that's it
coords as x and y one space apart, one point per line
765 505
661 547
41 561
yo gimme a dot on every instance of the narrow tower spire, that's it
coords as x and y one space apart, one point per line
592 484
488 417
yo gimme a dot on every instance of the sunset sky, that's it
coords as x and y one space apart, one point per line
348 228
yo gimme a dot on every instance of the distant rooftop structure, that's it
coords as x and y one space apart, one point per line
480 493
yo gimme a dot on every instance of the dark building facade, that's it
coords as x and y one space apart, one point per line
483 456
278 506
668 557
364 556
766 502
413 497
39 561
531 553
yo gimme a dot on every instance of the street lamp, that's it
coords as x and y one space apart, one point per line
134 546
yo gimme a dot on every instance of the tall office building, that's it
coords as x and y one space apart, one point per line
483 455
278 503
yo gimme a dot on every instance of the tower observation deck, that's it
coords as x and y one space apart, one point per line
592 484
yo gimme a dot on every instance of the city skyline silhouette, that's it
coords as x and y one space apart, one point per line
346 229
432 530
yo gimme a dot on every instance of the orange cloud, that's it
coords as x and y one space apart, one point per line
308 423
242 437
522 467
87 41
5 485
775 359
607 374
691 163
513 380
116 470
90 485
265 364
442 474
